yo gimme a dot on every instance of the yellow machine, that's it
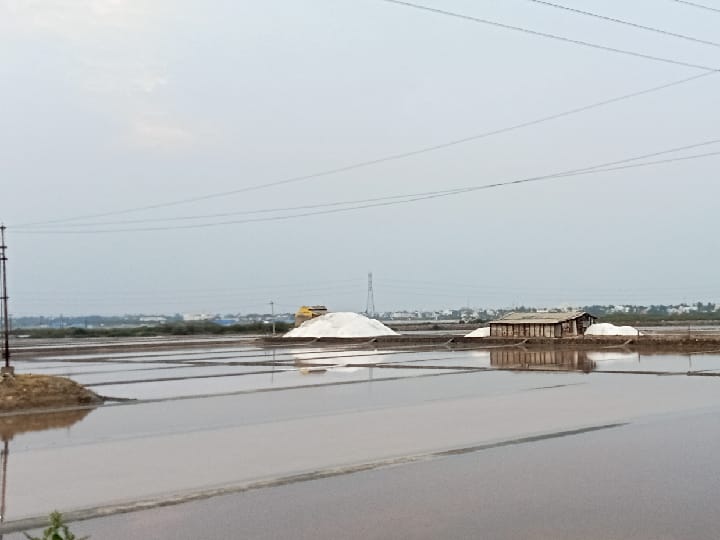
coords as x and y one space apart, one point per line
305 313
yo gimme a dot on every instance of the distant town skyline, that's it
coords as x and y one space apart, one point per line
448 312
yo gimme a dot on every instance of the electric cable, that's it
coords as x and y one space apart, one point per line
384 159
349 202
695 4
626 23
548 35
605 167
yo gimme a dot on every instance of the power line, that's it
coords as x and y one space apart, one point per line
480 289
606 167
432 195
695 4
225 214
548 35
360 201
434 147
426 149
332 204
383 159
627 23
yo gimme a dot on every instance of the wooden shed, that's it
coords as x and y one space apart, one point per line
548 325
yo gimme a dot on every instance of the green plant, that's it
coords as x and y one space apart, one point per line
56 531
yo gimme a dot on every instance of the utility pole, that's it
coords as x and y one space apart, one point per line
370 305
272 312
7 370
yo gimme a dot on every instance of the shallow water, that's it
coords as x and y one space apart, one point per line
303 416
247 382
615 483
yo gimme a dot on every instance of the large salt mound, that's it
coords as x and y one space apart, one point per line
608 329
341 324
483 331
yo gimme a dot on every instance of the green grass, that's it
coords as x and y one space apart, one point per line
56 531
661 319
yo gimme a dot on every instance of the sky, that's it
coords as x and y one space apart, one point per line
109 106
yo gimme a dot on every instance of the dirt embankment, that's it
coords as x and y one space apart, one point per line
23 392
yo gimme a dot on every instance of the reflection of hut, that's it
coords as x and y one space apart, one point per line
541 360
23 423
548 325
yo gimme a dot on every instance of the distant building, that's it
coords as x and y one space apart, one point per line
549 325
226 322
195 317
153 319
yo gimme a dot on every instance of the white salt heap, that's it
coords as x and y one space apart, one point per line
483 331
607 329
341 324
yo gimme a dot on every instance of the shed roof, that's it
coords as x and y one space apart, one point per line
540 318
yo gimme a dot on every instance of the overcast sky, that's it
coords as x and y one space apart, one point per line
109 105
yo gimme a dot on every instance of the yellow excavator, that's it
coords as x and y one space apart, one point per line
305 313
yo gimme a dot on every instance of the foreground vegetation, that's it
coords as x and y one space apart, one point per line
56 531
168 329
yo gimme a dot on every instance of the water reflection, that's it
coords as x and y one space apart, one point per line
10 426
542 360
17 424
614 357
337 358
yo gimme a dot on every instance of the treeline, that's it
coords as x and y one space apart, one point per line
168 329
660 318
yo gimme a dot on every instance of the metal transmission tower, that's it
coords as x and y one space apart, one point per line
6 370
272 316
370 305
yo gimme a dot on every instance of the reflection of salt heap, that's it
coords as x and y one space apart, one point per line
483 331
337 358
612 357
608 329
344 325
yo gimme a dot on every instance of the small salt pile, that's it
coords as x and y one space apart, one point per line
341 324
608 329
483 331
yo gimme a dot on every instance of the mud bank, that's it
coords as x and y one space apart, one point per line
26 392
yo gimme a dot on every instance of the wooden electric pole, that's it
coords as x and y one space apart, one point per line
7 369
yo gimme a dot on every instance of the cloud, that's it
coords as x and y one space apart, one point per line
71 19
149 82
160 133
111 60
